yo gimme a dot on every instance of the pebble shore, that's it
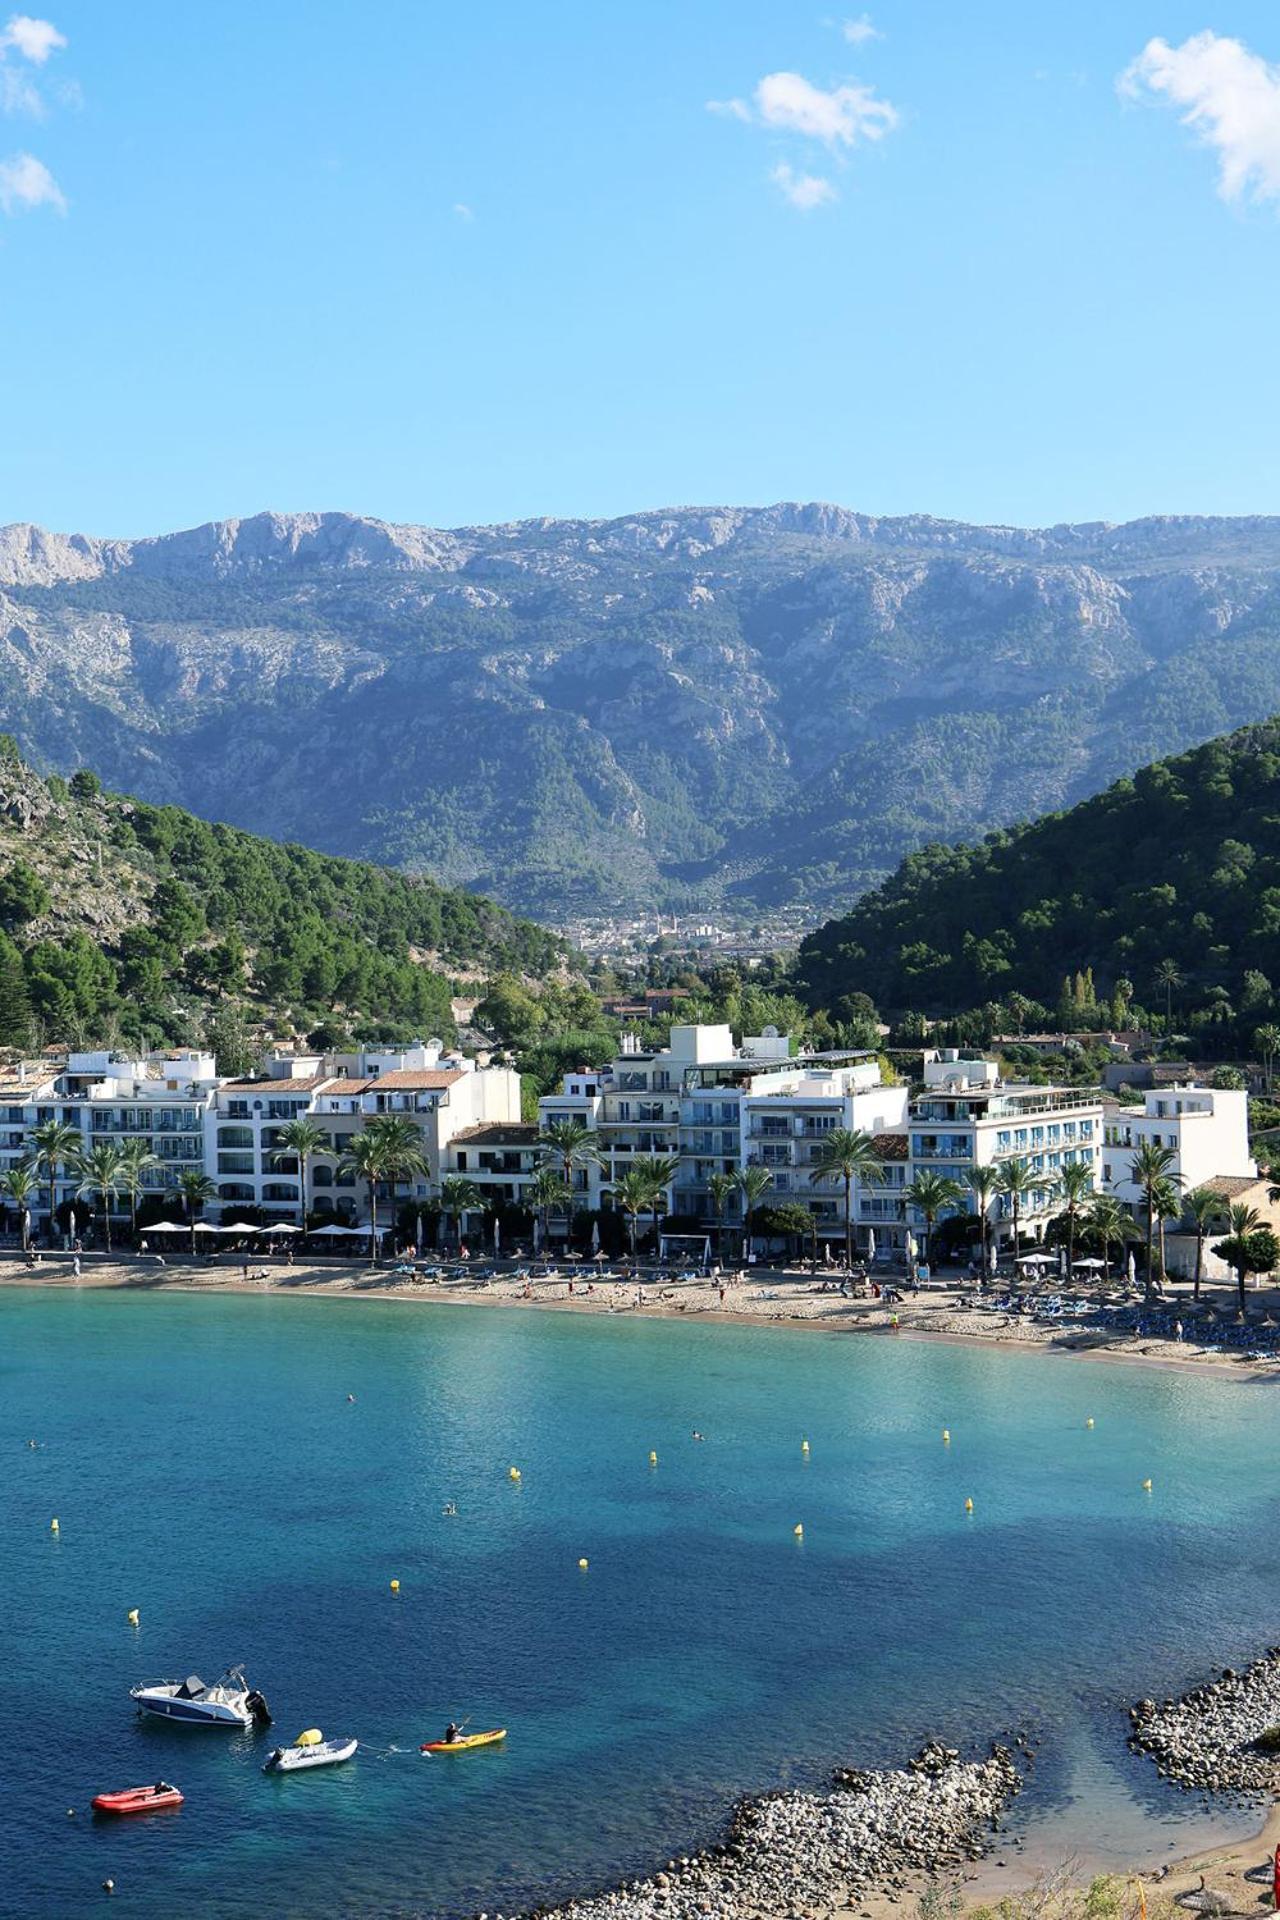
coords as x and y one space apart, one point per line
790 1853
1209 1739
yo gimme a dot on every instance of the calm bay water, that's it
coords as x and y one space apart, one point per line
207 1468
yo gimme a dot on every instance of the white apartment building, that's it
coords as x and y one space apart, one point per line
442 1093
716 1107
967 1116
164 1100
1206 1128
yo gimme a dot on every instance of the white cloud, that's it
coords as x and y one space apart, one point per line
463 211
35 40
858 32
18 94
803 190
730 109
26 182
1230 98
838 117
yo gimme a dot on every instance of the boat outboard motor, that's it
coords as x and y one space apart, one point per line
258 1708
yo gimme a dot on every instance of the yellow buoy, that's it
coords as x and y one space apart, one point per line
1146 1486
583 1565
968 1506
513 1473
798 1531
132 1616
946 1436
653 1458
804 1446
395 1586
53 1526
1089 1421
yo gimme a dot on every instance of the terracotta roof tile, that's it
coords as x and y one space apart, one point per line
890 1146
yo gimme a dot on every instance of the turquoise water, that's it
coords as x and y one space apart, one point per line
207 1468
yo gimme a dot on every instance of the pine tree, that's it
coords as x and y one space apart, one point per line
15 1001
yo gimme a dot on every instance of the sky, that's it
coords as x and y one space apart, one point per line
457 263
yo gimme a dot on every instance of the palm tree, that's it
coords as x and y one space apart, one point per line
1075 1185
574 1145
1168 978
1108 1223
98 1170
197 1189
1267 1041
1149 1166
546 1191
19 1184
985 1181
364 1160
458 1196
136 1158
1168 1205
403 1151
54 1141
847 1154
929 1193
300 1140
752 1183
633 1192
721 1186
1236 1249
1203 1206
659 1169
1017 1181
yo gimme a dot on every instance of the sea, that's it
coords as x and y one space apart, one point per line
252 1474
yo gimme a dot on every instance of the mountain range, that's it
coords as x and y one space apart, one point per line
726 709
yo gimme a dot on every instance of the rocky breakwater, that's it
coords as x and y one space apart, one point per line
1222 1737
788 1853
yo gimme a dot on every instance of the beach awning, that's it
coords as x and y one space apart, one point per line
279 1226
163 1226
1037 1260
318 1233
1089 1266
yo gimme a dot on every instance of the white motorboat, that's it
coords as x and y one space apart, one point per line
310 1749
229 1702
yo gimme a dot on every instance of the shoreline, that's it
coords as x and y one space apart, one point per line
773 1297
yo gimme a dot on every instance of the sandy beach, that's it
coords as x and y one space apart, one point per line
763 1297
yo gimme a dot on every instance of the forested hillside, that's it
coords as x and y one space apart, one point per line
703 709
1164 890
123 920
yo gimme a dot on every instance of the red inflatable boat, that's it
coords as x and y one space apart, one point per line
138 1799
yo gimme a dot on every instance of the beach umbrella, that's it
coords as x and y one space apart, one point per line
281 1226
537 1233
497 1236
1089 1266
1132 1268
165 1226
871 1244
595 1236
421 1232
993 1257
911 1245
320 1233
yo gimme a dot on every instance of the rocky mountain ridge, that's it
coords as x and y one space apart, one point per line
697 708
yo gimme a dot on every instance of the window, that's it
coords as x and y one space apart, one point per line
462 1159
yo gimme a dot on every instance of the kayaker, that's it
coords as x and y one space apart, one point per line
451 1734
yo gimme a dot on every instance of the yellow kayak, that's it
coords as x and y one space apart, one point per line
465 1741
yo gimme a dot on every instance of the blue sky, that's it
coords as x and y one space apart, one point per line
460 262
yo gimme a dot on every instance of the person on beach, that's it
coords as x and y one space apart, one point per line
75 1265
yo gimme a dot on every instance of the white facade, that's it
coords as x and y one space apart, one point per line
1206 1128
716 1107
441 1093
969 1117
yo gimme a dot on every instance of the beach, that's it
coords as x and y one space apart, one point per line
764 1296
